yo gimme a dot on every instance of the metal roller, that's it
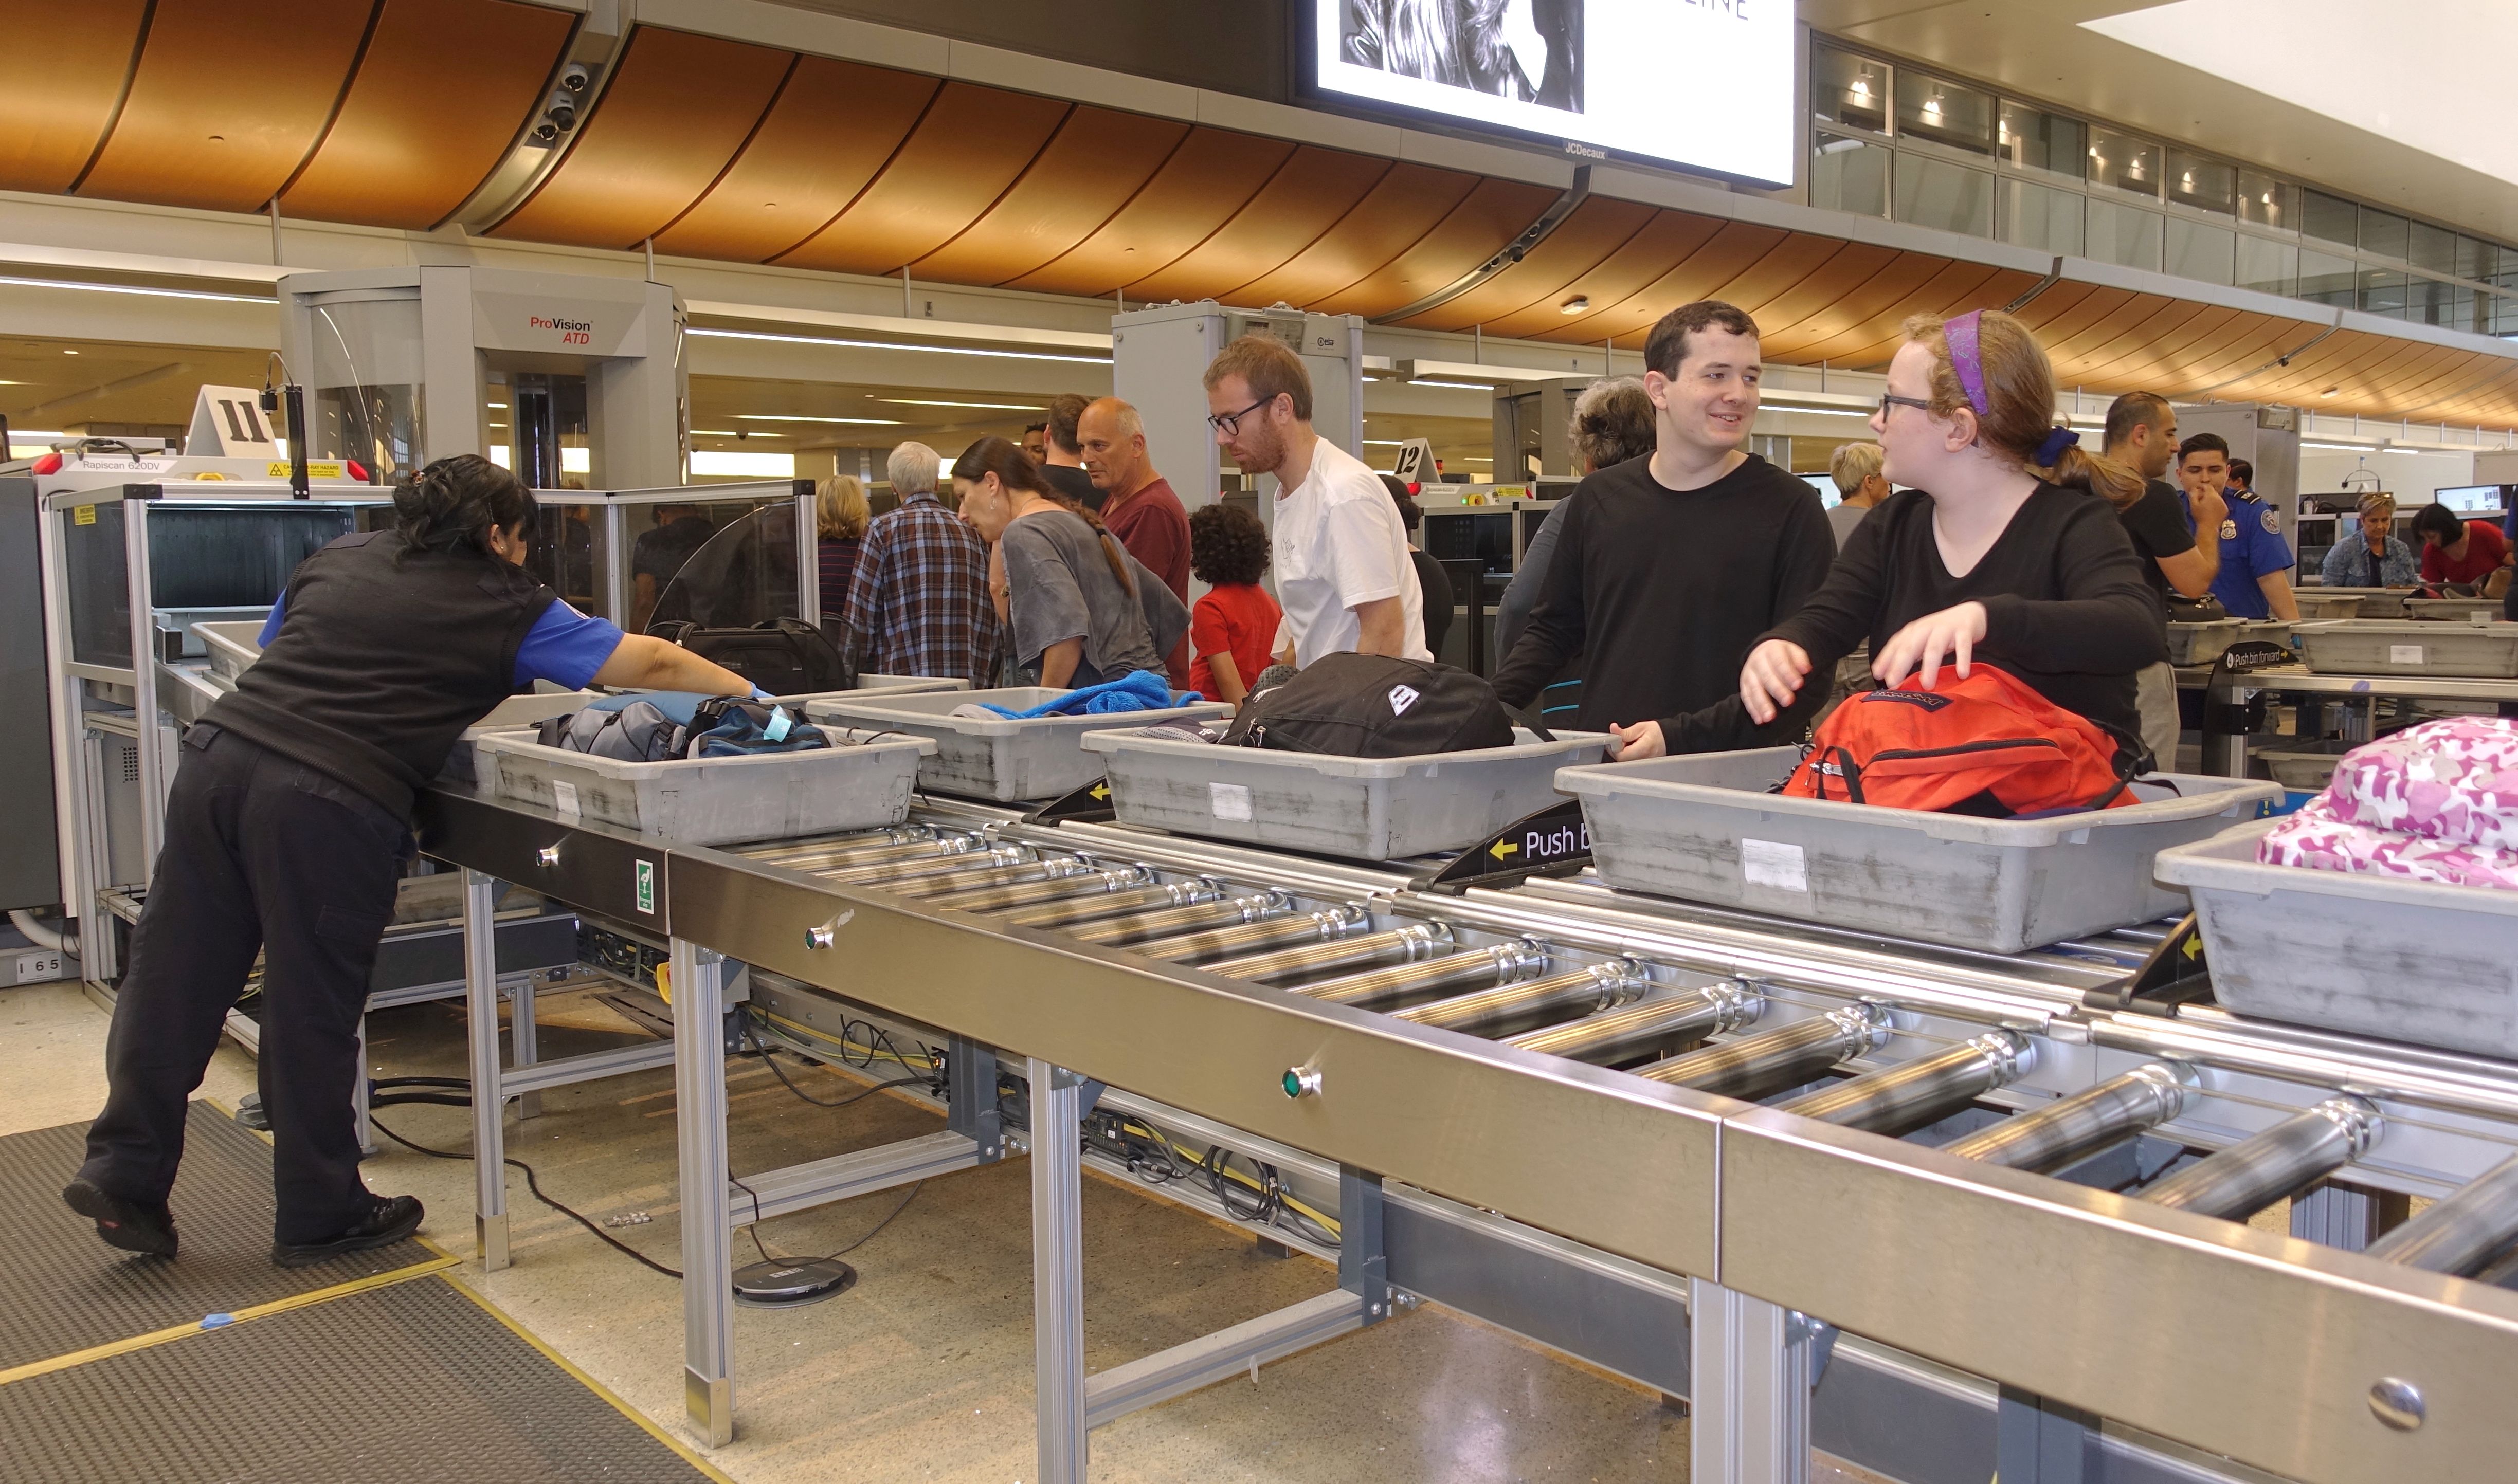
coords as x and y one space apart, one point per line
2283 1160
888 873
983 877
1518 1007
1086 879
854 850
1785 1057
2072 1129
1901 1099
1329 922
2462 1233
1119 901
1414 983
1615 1035
1134 927
1399 944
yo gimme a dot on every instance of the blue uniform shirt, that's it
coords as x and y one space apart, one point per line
563 647
2251 545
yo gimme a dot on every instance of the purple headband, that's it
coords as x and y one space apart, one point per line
1967 361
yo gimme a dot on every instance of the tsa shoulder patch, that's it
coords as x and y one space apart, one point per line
1925 699
2270 521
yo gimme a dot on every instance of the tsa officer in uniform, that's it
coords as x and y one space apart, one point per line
286 830
2254 580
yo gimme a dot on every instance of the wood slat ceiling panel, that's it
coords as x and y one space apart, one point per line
1483 224
2244 342
1660 245
1718 259
1096 162
973 142
831 130
674 114
441 95
2069 315
1399 211
2089 340
1545 276
1307 195
1845 276
2308 373
1954 287
2131 341
1213 174
72 56
1893 286
2449 378
226 101
2493 399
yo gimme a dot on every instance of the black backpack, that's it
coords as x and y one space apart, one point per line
785 657
1372 705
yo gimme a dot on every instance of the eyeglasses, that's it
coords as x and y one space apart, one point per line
1889 399
1229 423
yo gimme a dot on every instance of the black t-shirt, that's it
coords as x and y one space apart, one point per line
1662 592
2066 609
1074 484
2156 525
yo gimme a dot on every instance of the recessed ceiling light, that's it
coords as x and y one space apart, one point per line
993 406
878 422
70 352
2332 391
500 405
1576 304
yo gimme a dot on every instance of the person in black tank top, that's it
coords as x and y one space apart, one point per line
286 831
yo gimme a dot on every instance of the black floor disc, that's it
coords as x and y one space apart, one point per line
785 1285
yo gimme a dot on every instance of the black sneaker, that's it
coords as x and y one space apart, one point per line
392 1218
127 1224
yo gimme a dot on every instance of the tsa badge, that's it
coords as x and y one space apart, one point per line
2271 521
2229 531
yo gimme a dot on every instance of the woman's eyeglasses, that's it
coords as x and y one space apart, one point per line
1889 399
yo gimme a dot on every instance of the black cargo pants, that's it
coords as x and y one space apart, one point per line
261 853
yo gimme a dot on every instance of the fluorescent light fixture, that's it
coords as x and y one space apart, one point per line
725 433
1387 442
500 405
725 461
885 345
875 422
988 407
1456 386
133 288
576 461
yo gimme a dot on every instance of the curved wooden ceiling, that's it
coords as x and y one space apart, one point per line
727 150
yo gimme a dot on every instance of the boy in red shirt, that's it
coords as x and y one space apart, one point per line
2462 551
1232 625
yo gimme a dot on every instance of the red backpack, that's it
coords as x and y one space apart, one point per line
1985 745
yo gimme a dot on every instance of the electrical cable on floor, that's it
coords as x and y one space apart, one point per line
763 1051
534 1184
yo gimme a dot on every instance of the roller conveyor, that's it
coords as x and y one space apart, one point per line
1275 930
1781 1058
1143 926
1410 984
1903 1098
1074 879
2283 1160
1511 1007
2084 1124
1620 1035
1087 906
1399 944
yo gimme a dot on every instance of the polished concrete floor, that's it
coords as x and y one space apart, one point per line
924 1370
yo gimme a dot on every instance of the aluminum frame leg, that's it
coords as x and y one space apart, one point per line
2038 1440
1058 1269
1752 1366
524 1040
489 1126
2348 1216
708 1273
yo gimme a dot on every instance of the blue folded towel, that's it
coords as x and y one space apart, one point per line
1137 690
678 706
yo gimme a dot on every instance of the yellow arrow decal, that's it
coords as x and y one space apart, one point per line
1502 848
1100 790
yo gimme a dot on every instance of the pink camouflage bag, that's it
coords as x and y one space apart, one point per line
2437 802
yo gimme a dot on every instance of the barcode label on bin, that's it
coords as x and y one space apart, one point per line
1771 862
1230 801
564 799
2404 654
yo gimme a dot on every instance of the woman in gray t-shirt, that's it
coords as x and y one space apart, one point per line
1078 605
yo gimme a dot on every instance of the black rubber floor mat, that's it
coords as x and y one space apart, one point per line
62 1290
410 1382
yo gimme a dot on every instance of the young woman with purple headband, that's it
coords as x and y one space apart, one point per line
1992 550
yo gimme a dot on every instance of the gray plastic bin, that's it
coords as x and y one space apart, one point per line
2412 647
2327 602
1703 828
2376 956
995 758
713 800
2202 643
1365 808
232 647
2452 610
2375 602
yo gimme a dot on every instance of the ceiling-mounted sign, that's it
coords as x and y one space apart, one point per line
1706 85
563 326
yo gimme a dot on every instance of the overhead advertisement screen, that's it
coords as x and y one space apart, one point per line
1701 84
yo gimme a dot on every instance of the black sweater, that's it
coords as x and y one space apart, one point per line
1663 591
2066 609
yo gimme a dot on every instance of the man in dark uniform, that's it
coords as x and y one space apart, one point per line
2254 579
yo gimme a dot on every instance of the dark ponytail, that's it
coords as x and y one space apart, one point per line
452 504
1014 469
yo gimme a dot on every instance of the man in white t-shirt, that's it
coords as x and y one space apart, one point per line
1343 574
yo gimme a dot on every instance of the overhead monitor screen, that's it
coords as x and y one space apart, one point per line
1701 84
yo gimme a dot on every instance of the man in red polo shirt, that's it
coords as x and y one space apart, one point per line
1138 504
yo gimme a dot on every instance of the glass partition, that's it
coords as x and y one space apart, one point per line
718 565
1944 113
1849 89
367 402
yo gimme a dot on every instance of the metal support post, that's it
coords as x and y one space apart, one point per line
2347 1216
1058 1269
524 1037
1364 1263
2038 1440
489 1129
708 1274
971 1098
1753 1365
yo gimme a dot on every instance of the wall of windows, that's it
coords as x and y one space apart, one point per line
1890 139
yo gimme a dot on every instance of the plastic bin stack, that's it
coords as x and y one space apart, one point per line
995 758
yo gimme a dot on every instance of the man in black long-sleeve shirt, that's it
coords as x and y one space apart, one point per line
1666 568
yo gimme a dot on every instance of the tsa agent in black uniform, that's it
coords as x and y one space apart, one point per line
287 826
1997 552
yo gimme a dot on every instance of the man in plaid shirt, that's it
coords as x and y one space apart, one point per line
919 603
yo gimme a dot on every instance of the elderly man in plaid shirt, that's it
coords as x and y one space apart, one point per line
919 603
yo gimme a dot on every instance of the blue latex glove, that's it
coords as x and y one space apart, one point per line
1137 690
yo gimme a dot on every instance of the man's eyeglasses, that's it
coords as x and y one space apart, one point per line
1889 399
1229 423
